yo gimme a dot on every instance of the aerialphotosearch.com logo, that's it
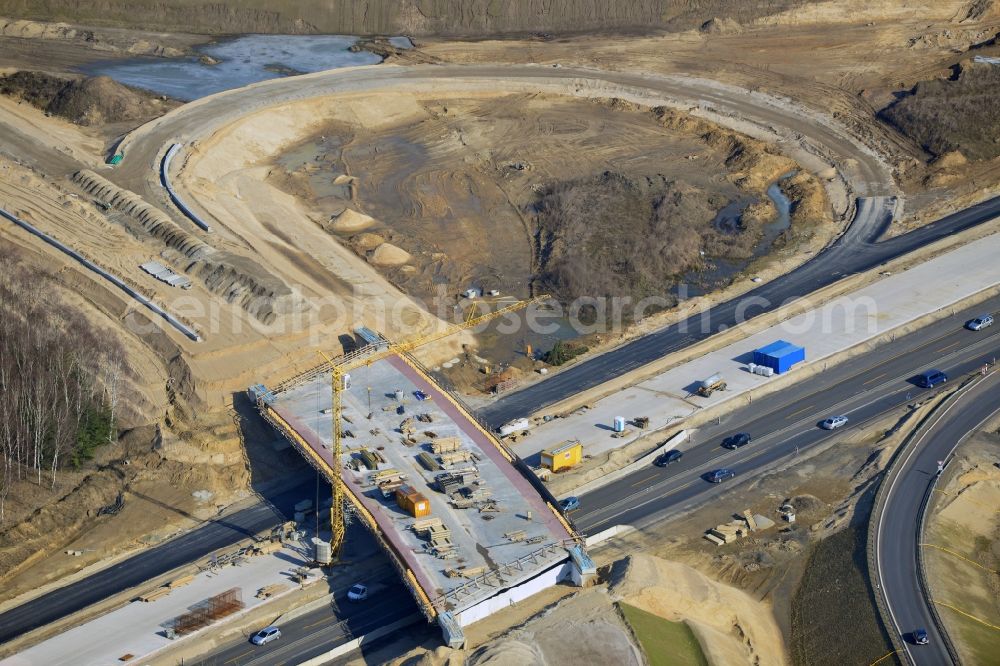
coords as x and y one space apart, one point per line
313 320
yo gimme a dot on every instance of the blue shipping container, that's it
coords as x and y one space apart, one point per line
780 356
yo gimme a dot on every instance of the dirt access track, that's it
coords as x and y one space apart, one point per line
228 137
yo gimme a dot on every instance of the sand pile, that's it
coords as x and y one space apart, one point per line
508 653
388 254
351 220
731 626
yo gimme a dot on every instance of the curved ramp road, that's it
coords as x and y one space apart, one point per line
855 251
898 532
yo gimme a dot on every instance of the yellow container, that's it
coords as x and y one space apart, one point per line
413 502
566 455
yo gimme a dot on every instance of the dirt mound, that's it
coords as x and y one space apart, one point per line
978 487
243 281
809 203
508 653
351 220
717 26
616 235
754 164
394 17
98 41
366 242
98 100
88 101
730 625
388 254
950 160
959 113
36 88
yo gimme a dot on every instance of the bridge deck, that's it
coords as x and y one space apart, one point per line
479 537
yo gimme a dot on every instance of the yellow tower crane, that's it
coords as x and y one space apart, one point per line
340 383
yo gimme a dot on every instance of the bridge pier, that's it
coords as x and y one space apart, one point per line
451 630
582 570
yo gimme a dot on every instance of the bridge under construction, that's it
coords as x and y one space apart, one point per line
467 524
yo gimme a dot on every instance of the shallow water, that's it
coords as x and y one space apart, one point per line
720 271
243 60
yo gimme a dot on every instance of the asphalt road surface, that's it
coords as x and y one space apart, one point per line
321 630
899 534
856 251
785 424
182 550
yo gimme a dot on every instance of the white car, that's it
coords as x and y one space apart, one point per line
266 635
833 422
358 592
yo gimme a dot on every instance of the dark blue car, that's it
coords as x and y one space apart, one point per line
719 475
931 378
665 459
569 503
734 442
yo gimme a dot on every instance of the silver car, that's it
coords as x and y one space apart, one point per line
979 323
266 635
833 422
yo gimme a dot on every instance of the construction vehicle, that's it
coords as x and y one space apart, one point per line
340 381
709 386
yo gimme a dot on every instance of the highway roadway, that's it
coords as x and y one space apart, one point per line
784 424
325 628
898 532
855 251
148 564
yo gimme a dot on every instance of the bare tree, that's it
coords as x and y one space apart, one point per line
60 381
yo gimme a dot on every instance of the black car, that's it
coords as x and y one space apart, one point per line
736 441
665 459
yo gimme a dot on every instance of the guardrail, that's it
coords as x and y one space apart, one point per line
165 179
118 282
874 521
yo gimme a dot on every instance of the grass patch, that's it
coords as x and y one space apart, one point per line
665 643
973 589
834 617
